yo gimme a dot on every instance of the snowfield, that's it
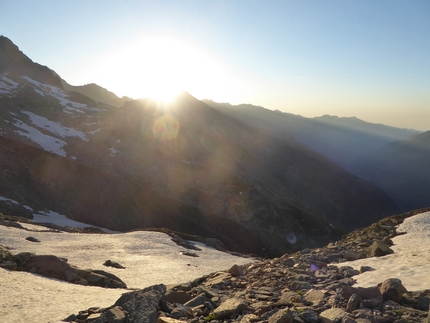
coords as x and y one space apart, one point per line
152 258
149 257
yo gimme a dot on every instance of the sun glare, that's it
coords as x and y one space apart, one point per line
160 68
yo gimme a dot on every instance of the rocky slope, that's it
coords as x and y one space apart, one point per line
304 287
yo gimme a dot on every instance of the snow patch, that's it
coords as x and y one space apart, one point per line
2 198
62 220
7 86
61 95
48 143
410 261
113 151
54 127
10 200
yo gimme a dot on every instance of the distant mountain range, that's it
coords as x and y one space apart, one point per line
394 159
189 166
342 140
402 169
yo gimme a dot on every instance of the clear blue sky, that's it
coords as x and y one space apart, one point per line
368 58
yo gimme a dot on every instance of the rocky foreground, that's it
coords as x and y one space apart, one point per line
304 287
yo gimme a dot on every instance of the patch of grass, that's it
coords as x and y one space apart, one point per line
210 317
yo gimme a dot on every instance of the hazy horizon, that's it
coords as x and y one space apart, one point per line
366 59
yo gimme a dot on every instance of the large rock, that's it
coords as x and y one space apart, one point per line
363 292
353 303
378 249
333 315
282 316
315 296
54 267
142 305
392 289
230 307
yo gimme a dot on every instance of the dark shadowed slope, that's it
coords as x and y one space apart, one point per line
402 169
342 140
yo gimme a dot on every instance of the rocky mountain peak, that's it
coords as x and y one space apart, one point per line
15 63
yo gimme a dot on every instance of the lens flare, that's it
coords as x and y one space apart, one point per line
166 128
291 238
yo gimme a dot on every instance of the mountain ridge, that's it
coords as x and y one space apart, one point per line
232 177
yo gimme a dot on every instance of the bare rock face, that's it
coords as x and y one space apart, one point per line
392 289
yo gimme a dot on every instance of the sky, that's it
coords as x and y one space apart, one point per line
369 58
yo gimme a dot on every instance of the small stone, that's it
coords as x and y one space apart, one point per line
189 254
32 239
196 301
110 263
236 271
168 320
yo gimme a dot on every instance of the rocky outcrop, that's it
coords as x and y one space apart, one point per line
54 267
303 287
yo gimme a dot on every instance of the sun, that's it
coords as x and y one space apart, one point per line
160 68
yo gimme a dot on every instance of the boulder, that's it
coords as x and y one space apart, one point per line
353 303
378 249
54 267
282 316
230 307
315 296
333 315
141 305
392 289
363 292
